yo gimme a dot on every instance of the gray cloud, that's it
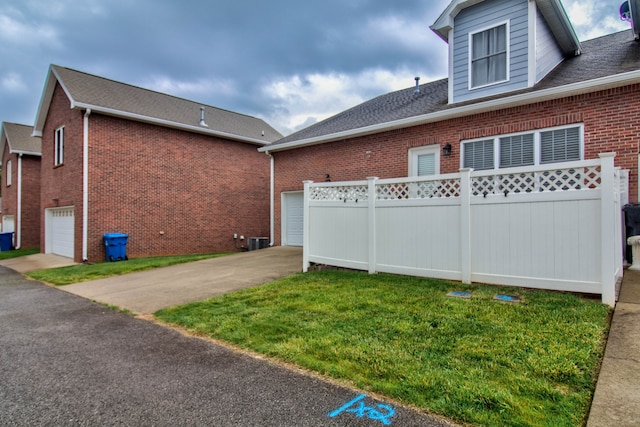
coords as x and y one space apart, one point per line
248 56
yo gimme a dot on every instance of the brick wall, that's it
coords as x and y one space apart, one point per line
173 192
30 215
62 185
30 226
610 120
9 192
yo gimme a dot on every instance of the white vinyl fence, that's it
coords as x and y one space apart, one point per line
550 227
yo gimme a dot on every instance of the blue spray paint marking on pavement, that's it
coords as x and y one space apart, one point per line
357 407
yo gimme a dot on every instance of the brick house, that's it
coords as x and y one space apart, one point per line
177 176
21 154
522 90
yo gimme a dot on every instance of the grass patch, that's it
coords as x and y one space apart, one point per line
17 253
472 360
85 272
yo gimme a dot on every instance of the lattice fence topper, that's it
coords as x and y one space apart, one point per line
353 193
580 178
419 189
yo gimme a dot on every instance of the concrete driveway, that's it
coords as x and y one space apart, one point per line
148 291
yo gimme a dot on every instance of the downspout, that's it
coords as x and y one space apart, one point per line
271 198
85 183
18 242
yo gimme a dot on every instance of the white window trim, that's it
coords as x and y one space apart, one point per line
8 176
536 143
418 151
58 144
508 53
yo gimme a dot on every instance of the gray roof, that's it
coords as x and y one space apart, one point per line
602 57
101 95
20 139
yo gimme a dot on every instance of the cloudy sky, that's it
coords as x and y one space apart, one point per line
290 62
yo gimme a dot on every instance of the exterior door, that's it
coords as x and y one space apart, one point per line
292 218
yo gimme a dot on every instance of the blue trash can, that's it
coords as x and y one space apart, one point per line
115 246
6 241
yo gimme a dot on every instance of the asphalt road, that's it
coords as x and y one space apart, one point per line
66 361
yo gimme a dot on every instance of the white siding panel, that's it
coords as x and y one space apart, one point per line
419 237
339 232
542 240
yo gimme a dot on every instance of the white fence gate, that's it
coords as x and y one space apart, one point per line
551 228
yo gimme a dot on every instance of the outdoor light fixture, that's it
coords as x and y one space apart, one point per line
446 150
327 178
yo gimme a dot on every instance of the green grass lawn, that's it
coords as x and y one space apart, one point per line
85 272
474 360
17 253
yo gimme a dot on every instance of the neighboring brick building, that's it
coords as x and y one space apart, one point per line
21 184
555 100
176 176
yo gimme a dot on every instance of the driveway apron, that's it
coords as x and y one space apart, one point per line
148 291
67 361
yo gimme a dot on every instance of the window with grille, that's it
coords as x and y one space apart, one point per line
517 150
489 56
560 145
58 155
8 180
526 149
478 155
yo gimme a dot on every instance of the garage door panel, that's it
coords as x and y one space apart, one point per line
61 231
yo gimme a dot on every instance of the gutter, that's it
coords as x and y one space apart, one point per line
18 228
85 183
271 199
572 89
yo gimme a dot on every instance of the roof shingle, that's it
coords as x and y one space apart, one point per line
109 96
20 139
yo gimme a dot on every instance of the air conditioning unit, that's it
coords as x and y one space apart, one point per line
256 243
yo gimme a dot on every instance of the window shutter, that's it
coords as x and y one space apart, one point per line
478 155
516 151
426 164
560 145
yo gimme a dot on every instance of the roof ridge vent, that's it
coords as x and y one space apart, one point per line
417 89
202 123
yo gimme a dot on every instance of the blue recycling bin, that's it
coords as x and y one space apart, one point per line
6 241
115 246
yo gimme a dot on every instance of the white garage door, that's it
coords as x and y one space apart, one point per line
292 218
8 225
59 231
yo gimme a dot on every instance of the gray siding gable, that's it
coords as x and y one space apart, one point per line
482 16
548 53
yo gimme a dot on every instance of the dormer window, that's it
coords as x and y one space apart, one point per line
489 56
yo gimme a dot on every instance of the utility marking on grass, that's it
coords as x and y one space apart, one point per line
459 294
507 298
356 406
